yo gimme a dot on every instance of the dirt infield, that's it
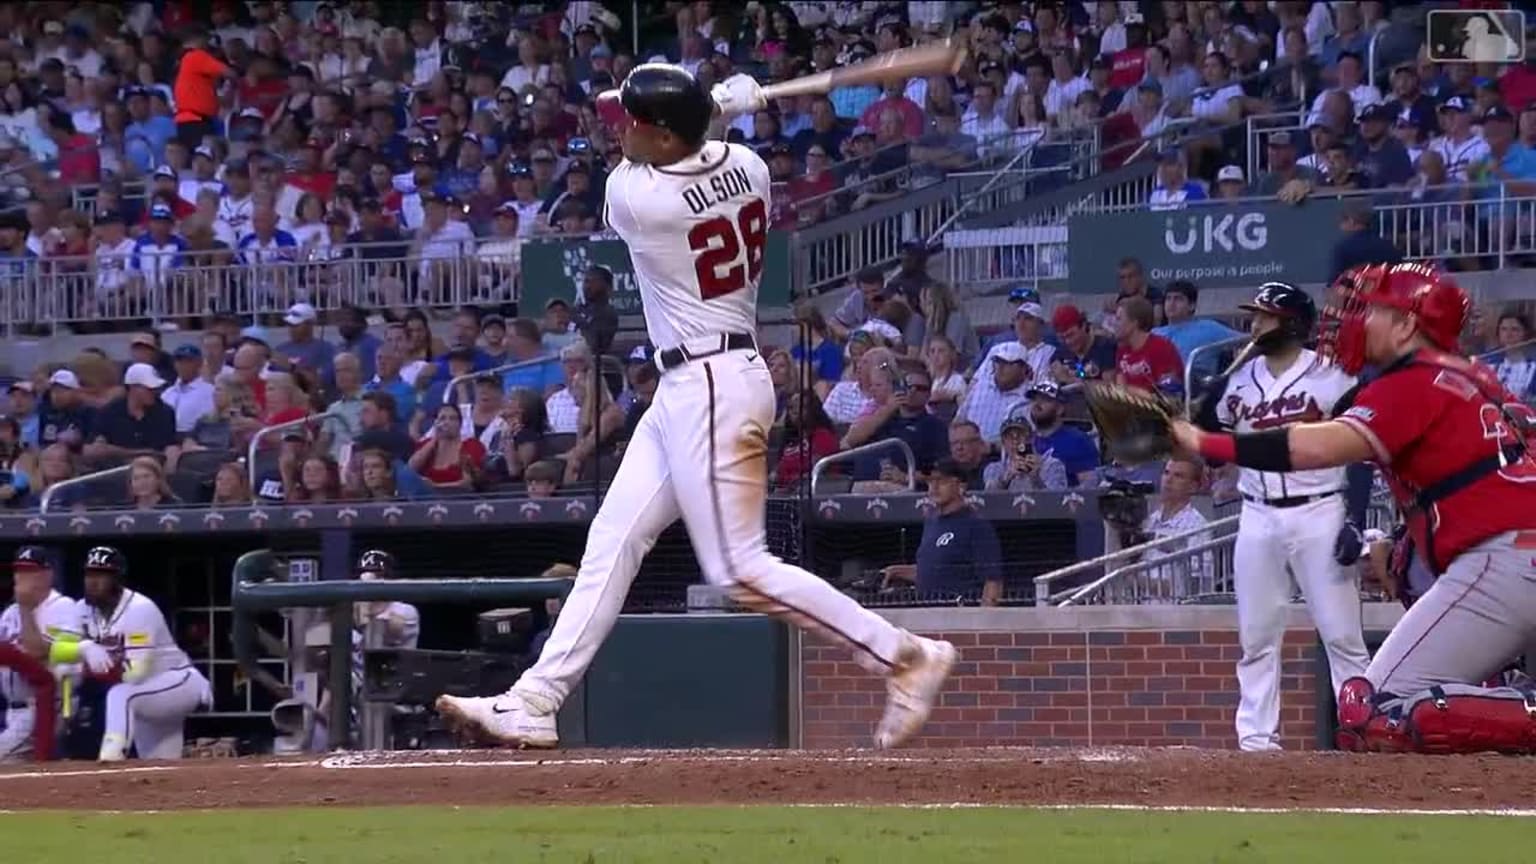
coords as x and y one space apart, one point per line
994 776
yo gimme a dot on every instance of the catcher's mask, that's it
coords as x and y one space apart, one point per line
1437 305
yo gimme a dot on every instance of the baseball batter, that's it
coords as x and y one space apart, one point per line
694 214
126 638
30 625
1291 521
1455 447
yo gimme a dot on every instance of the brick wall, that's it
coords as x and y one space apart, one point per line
1099 687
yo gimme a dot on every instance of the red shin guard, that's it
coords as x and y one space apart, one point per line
1473 724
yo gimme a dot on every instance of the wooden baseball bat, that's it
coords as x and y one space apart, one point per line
1198 403
920 60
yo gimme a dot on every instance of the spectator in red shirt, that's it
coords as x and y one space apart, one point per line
808 438
310 175
446 457
1144 359
809 190
895 99
1518 86
79 157
197 90
1129 66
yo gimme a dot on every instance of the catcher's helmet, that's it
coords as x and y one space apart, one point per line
1440 308
106 559
669 97
1293 306
377 564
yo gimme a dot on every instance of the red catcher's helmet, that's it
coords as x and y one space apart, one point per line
1439 307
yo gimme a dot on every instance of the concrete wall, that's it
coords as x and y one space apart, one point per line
1130 675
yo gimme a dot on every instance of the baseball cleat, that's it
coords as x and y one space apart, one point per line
507 719
114 748
911 691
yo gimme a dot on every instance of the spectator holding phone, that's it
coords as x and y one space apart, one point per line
1022 468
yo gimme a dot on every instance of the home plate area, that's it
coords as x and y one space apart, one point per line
1129 777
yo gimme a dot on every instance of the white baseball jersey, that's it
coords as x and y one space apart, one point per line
54 616
1305 393
138 628
697 232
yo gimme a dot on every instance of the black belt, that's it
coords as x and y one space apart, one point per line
672 358
18 706
1293 501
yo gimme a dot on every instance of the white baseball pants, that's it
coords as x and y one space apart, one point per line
16 737
150 714
1268 539
700 453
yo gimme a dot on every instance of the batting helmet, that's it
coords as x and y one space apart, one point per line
375 564
668 97
1439 307
106 559
1294 308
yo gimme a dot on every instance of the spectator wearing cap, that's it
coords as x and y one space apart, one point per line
1409 132
1509 170
1282 169
165 189
1188 332
63 415
22 408
594 317
781 169
113 258
443 244
901 412
1173 189
190 396
1461 146
542 164
541 371
1381 159
198 75
158 253
993 396
1028 332
1109 96
1144 359
267 250
377 238
824 132
235 201
1053 438
959 557
861 304
136 423
911 275
575 186
555 326
1230 183
525 198
500 255
1409 99
1021 467
305 350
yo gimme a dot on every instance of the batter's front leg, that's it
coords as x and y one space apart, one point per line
1331 592
638 506
1263 590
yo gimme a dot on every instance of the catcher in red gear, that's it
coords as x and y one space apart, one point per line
1455 448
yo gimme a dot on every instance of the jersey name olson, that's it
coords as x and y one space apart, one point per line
721 187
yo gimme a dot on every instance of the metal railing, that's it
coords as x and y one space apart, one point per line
52 491
821 465
1180 575
454 382
252 472
1043 582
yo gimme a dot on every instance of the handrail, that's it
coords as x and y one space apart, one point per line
498 370
1487 354
250 452
842 456
976 196
1121 572
1370 56
1189 367
42 504
1044 580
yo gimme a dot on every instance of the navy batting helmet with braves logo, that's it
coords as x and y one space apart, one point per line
106 559
668 97
1293 306
377 564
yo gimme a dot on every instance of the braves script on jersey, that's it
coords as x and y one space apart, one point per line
1255 399
1428 422
697 231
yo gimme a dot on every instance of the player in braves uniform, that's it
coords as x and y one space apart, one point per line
1455 447
126 639
30 625
1291 522
694 214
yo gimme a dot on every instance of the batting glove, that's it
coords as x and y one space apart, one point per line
96 658
738 94
1348 545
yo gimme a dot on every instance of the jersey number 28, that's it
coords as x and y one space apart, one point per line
719 242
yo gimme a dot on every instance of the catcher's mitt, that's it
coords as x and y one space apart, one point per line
1134 426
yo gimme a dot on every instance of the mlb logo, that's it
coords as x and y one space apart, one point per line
1476 35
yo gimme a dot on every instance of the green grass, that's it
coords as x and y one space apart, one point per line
742 835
